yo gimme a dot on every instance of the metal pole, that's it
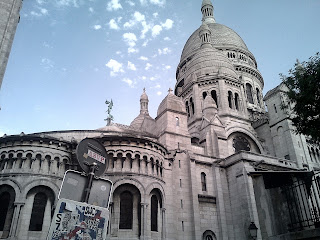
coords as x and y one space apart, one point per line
89 185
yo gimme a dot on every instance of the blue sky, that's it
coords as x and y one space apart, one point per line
69 56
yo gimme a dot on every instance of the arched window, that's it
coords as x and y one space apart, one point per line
204 94
126 210
4 206
258 96
187 108
154 213
230 99
236 101
249 93
177 122
203 182
38 209
192 106
241 144
214 96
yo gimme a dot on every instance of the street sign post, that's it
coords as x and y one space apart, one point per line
78 221
74 183
82 212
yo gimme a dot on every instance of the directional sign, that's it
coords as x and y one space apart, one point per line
73 186
90 151
77 221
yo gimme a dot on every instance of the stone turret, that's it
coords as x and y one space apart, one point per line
207 12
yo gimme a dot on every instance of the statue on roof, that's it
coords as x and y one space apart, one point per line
109 117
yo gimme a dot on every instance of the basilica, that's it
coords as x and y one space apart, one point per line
213 164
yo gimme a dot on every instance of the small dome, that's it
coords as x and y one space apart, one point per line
171 102
205 2
220 36
144 96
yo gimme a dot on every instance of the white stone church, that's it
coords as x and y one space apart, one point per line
211 165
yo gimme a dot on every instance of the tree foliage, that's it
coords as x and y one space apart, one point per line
303 83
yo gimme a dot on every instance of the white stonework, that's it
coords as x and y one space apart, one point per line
212 161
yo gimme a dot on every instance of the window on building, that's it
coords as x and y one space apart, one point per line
187 108
236 101
126 210
275 108
177 122
38 209
4 206
214 96
154 213
204 95
203 182
192 106
230 99
240 144
258 96
249 93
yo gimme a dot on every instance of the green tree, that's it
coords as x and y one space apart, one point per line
303 83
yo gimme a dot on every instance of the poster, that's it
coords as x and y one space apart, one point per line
78 221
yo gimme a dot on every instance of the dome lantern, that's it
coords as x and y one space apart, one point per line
205 35
207 12
144 103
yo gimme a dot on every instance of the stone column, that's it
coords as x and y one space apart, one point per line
142 166
15 219
143 221
163 230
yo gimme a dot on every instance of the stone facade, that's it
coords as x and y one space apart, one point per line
212 162
9 18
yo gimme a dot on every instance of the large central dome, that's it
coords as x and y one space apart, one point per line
221 36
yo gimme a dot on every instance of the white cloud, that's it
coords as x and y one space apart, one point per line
146 28
156 30
133 50
157 86
167 67
143 58
97 27
42 12
47 63
91 9
143 77
159 93
40 2
130 39
143 2
164 51
129 82
138 16
113 24
167 24
113 5
148 66
167 39
118 52
131 3
115 67
145 43
131 66
65 3
158 2
155 14
152 78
